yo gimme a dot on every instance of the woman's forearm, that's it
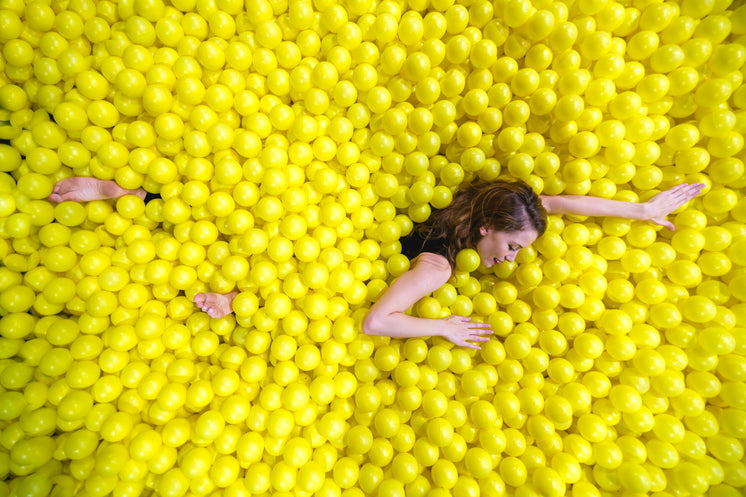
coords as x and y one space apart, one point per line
388 316
400 325
458 330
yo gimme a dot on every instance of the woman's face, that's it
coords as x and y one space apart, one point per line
500 246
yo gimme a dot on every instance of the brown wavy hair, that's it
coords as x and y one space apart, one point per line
500 206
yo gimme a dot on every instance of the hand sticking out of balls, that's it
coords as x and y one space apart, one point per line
80 189
661 205
461 330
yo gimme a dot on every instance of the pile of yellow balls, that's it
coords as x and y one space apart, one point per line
293 143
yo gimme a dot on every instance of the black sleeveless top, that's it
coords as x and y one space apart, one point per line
415 243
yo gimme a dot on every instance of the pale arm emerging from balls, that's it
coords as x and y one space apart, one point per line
387 316
654 210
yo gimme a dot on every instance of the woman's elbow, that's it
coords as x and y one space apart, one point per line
371 324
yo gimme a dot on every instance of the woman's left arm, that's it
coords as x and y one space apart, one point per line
654 210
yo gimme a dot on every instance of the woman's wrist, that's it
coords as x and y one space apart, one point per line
639 211
645 211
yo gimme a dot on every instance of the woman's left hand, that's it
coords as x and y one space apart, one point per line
661 205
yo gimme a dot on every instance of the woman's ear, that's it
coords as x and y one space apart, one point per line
483 231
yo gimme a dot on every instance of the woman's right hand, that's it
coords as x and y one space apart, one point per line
461 330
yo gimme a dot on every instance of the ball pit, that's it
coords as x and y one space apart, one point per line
293 143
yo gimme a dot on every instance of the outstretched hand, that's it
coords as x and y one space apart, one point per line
661 205
461 330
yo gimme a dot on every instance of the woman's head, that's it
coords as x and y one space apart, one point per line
483 210
504 206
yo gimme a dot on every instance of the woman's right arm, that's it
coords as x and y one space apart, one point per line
387 316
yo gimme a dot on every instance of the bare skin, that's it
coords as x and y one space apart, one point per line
430 271
215 305
387 316
81 189
654 210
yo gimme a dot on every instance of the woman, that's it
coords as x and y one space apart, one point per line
496 219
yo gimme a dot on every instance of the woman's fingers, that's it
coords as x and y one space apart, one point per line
685 189
466 342
482 327
467 320
687 192
477 335
694 190
467 331
668 201
684 193
667 224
